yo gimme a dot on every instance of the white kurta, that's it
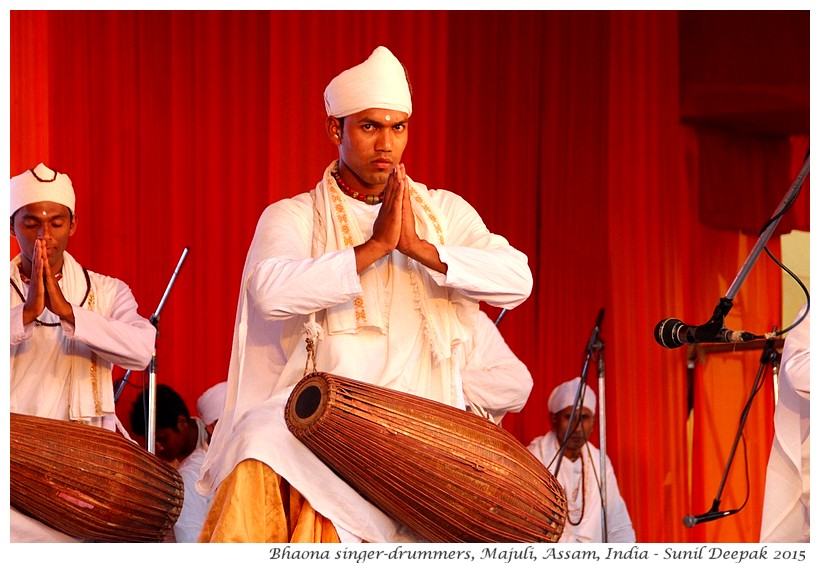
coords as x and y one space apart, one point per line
494 379
786 502
195 506
44 378
41 365
284 282
578 484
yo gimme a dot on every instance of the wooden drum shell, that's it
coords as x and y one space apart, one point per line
447 474
91 483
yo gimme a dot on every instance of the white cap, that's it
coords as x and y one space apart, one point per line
41 184
379 82
211 403
563 396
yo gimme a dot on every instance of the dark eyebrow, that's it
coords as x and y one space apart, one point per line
369 121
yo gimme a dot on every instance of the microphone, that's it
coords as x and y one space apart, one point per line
692 521
672 333
501 316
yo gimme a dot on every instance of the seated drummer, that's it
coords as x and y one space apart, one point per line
386 276
182 440
68 325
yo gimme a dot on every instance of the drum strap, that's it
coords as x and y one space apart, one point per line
313 331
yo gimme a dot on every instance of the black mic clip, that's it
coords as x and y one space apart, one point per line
672 333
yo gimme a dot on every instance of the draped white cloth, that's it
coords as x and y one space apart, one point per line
495 381
579 480
64 372
398 325
786 502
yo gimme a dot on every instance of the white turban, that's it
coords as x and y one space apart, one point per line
563 396
211 403
379 82
41 184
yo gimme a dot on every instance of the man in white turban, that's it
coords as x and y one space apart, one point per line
580 469
210 405
68 326
385 277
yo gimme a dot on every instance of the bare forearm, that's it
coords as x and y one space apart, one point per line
426 254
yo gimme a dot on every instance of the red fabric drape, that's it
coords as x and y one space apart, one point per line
561 128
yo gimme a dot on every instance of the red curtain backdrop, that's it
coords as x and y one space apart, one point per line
564 131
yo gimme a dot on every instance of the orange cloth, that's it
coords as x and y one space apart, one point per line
254 504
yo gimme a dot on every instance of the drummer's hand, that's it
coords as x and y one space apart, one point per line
410 244
35 300
54 299
409 239
387 227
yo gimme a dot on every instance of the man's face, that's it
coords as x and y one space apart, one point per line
582 427
372 143
47 220
170 442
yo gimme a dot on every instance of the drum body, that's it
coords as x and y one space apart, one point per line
91 483
447 474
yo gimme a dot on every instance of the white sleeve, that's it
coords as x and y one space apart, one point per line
18 332
123 337
482 265
493 375
283 279
619 525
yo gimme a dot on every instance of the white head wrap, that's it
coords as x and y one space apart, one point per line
379 82
41 184
563 396
211 402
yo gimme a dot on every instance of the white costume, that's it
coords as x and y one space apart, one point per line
64 372
195 507
786 506
619 525
211 402
495 381
398 325
580 479
61 371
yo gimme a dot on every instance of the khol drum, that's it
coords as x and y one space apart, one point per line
447 474
91 483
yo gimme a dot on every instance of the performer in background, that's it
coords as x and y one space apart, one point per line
385 275
210 405
581 469
495 381
181 440
68 326
786 506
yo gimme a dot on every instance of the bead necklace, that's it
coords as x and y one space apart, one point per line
368 199
583 487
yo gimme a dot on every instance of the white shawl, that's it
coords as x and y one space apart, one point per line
91 393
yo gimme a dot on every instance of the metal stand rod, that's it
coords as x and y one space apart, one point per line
150 432
767 233
768 355
593 340
154 321
602 437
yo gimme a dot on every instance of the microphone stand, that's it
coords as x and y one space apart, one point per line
599 345
725 303
150 438
593 339
769 355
